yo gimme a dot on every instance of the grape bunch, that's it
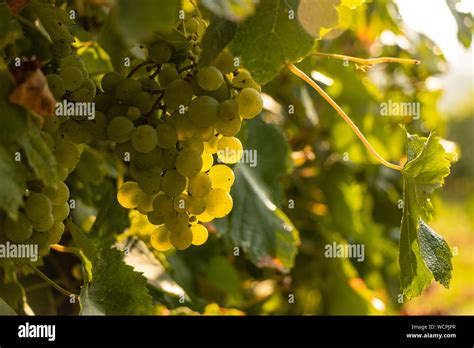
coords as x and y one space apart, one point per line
170 128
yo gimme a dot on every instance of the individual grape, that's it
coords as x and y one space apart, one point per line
196 205
89 85
110 81
42 240
61 48
144 138
120 129
18 231
173 183
249 102
160 239
154 219
181 203
199 185
62 173
196 50
116 110
224 62
82 95
205 217
124 151
44 223
55 232
242 79
144 202
75 132
188 162
203 133
168 159
194 144
182 239
191 25
163 205
228 110
143 101
72 60
228 128
72 78
210 146
149 159
178 92
218 203
176 221
38 205
61 211
168 75
184 127
67 155
160 52
127 90
166 136
207 161
103 102
222 177
133 113
203 111
209 78
128 195
56 85
229 150
200 234
51 124
151 183
58 192
148 85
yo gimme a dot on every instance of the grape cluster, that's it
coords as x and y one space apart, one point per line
169 128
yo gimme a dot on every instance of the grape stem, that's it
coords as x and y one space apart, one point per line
135 69
51 282
341 112
65 249
368 61
156 104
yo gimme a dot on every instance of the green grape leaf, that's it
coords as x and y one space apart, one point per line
54 19
314 15
270 38
218 34
5 309
115 289
138 22
462 20
256 224
12 183
423 253
39 156
232 10
95 58
111 40
10 29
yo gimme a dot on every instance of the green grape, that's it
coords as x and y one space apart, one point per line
196 50
229 150
184 127
204 133
127 90
55 232
166 135
72 60
178 92
143 101
181 203
173 183
51 124
61 48
149 159
144 202
44 223
110 81
163 205
48 139
228 128
225 62
144 138
182 238
192 25
209 78
120 129
58 193
18 231
210 146
89 85
242 79
42 240
222 177
160 239
72 78
62 173
249 102
154 219
133 113
228 110
168 75
160 52
176 220
75 132
98 126
194 144
83 95
56 85
207 161
148 85
151 183
205 217
188 162
67 155
127 195
38 205
103 102
203 111
200 234
196 205
199 185
61 211
116 110
218 203
168 159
